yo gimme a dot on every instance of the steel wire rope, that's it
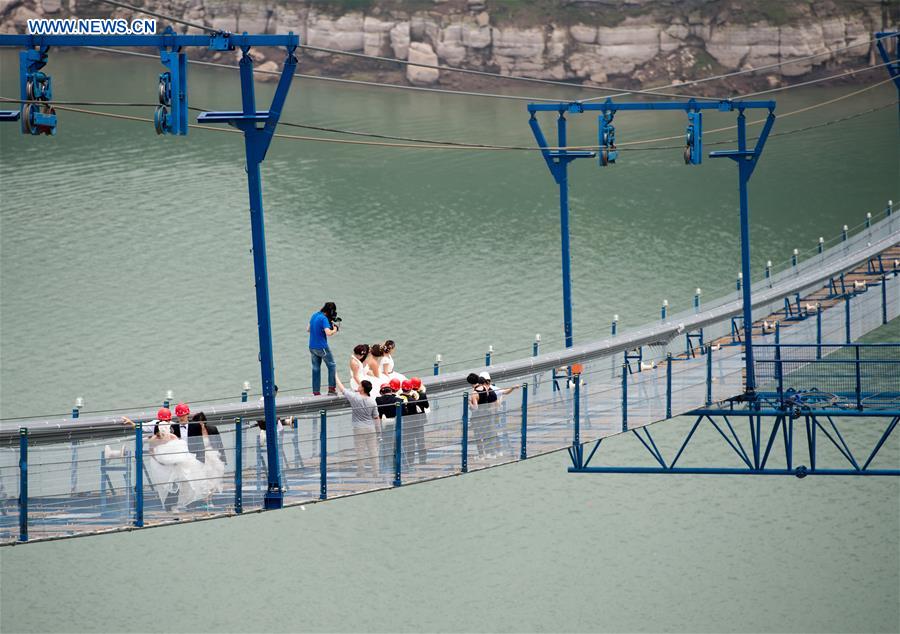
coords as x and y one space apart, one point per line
456 143
437 145
394 60
622 146
340 80
761 121
653 92
755 69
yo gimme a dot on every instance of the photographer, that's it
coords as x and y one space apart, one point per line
322 325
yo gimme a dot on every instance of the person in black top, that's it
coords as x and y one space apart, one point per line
212 432
387 409
481 402
413 425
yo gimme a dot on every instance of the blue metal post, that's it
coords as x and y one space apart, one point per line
737 283
624 397
664 311
23 484
709 352
844 233
669 385
523 452
138 475
488 355
847 318
323 455
256 143
794 256
437 365
858 378
769 272
563 173
536 346
614 327
821 245
238 465
884 318
244 395
73 479
868 220
697 301
465 434
818 331
398 445
779 369
744 172
576 422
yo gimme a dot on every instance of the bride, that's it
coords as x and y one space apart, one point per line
365 364
173 468
387 362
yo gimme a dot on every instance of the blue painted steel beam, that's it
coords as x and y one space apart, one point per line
215 41
725 105
799 472
871 413
892 65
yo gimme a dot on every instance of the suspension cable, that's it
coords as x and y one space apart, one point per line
619 92
413 142
755 69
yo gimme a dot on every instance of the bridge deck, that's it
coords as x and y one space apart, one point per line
68 495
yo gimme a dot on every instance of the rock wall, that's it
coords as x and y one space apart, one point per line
657 43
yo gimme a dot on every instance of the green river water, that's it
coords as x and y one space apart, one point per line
125 271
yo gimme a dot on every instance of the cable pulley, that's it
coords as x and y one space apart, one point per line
607 139
37 115
693 143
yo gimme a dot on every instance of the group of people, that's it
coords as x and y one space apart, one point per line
374 422
485 423
186 457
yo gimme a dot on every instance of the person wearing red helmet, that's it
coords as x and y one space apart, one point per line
190 432
413 423
387 409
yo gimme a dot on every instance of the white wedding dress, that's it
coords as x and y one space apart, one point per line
173 468
387 369
365 374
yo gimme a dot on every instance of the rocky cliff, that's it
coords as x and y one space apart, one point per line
634 43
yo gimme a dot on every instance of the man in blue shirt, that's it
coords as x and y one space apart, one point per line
322 325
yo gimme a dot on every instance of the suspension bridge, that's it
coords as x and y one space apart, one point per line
783 347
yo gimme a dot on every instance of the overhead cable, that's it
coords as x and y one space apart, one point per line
620 93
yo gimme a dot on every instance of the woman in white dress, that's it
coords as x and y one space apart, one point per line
358 368
387 362
172 467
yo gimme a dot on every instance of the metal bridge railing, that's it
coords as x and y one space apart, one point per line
70 485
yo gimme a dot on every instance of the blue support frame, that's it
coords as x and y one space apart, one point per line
892 65
868 392
258 128
558 159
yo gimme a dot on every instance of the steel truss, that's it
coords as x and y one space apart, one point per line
862 385
757 460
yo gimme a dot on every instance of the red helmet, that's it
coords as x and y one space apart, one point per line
395 384
182 409
406 385
416 382
164 414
